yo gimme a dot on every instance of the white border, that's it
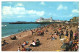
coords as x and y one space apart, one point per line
39 0
32 0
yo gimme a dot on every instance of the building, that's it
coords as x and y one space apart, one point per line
74 19
44 19
58 21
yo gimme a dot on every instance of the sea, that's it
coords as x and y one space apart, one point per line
10 29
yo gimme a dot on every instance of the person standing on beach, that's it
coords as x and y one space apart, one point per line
67 32
32 32
60 35
71 34
75 35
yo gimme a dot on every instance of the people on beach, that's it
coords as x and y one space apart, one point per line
53 37
33 43
71 34
32 32
75 35
13 38
67 32
24 43
60 34
19 49
69 43
4 42
28 48
23 49
37 42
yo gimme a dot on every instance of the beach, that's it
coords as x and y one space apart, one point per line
46 43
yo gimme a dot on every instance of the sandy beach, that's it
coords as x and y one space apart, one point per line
46 44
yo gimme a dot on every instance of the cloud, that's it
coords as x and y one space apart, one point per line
8 11
75 11
34 12
19 4
42 3
61 7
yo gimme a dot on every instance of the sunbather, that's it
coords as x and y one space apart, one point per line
13 38
23 49
4 42
37 42
24 43
33 44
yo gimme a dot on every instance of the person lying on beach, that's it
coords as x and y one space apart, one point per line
23 49
40 32
13 38
28 49
24 43
53 37
4 42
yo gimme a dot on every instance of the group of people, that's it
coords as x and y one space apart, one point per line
60 30
4 42
13 38
72 40
63 30
24 49
33 44
54 36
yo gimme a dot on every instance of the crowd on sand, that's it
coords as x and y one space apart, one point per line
68 37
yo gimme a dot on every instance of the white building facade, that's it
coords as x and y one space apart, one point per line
44 19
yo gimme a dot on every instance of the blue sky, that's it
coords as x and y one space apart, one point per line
30 11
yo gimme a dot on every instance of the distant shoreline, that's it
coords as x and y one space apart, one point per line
33 22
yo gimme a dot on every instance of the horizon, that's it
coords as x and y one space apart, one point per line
13 11
35 21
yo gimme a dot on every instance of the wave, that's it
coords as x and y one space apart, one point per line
4 25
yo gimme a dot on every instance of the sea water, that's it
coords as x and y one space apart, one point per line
9 29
